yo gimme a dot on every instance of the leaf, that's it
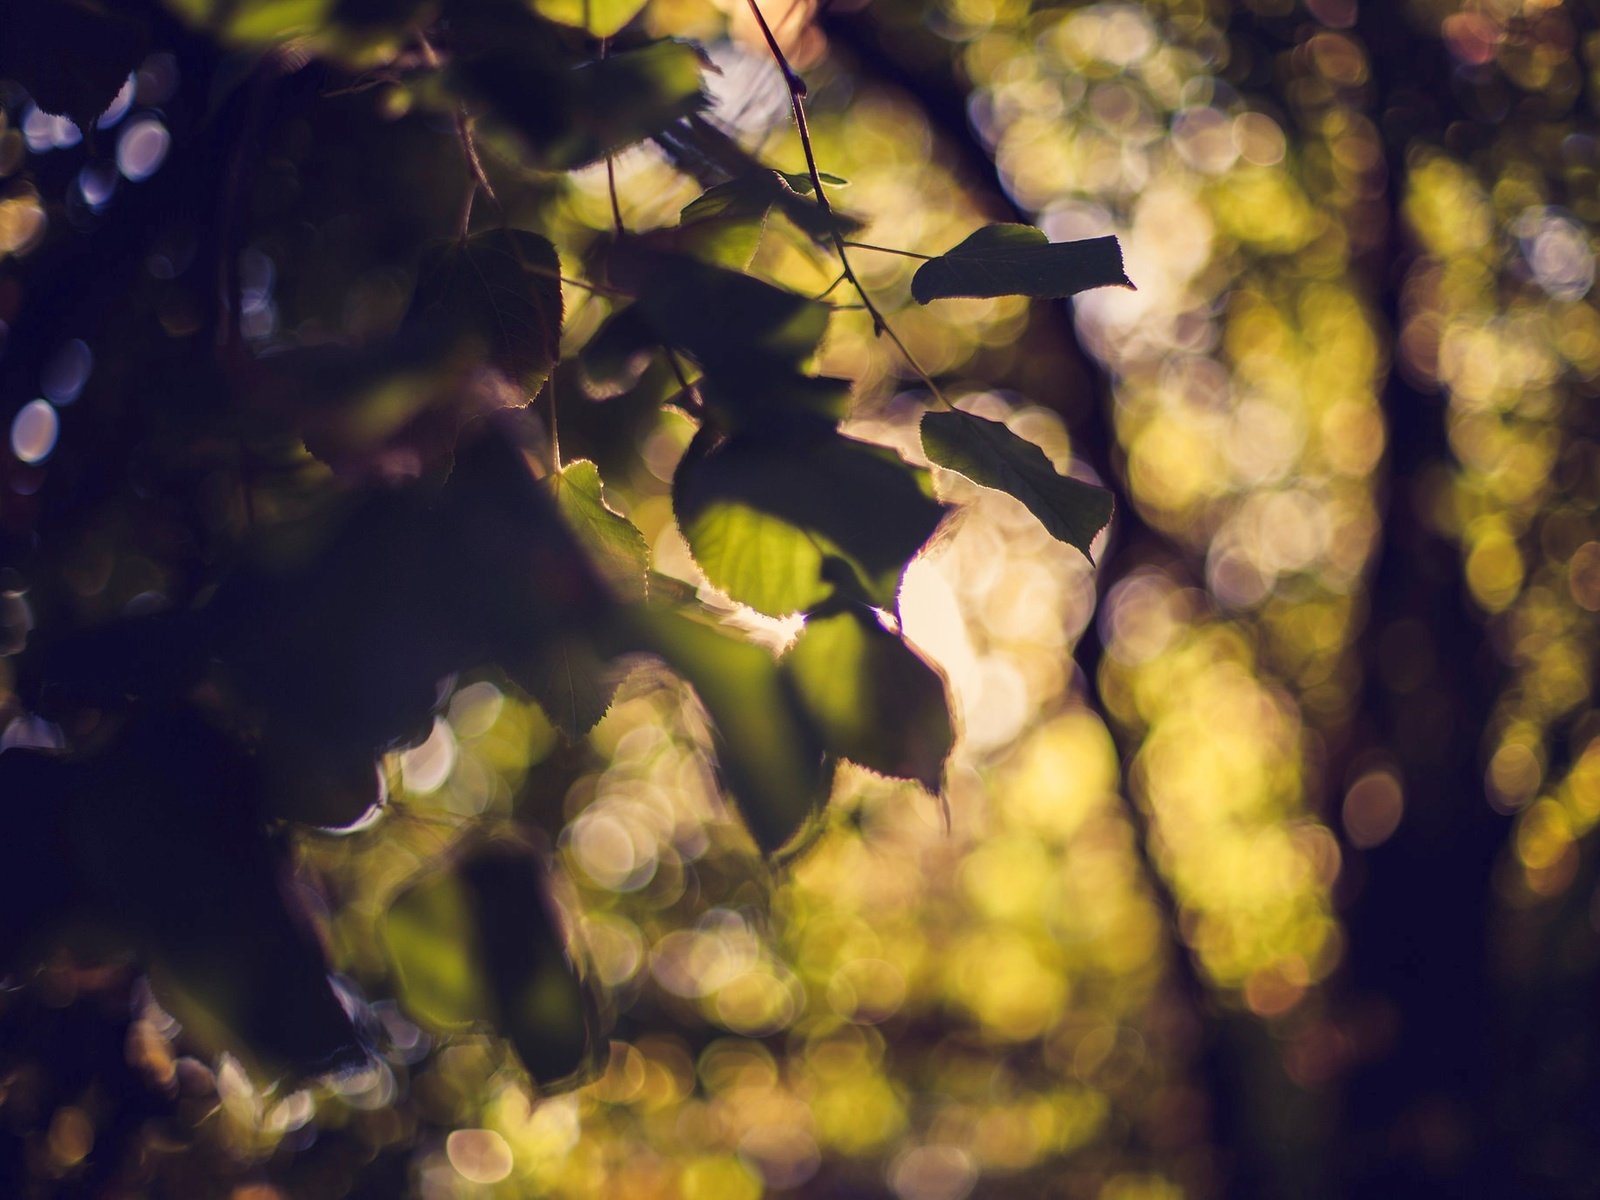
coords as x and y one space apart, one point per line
164 828
989 454
601 18
499 288
750 338
618 353
327 787
1018 260
875 699
614 542
73 58
37 880
769 753
564 116
478 944
753 194
779 522
573 683
732 323
357 33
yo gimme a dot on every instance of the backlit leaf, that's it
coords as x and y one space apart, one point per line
768 752
614 542
778 522
477 944
875 699
1018 260
989 454
601 18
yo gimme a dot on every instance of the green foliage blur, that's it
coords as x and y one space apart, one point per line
552 644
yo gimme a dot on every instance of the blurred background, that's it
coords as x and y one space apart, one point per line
1268 869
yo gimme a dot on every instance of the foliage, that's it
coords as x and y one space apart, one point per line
499 542
345 521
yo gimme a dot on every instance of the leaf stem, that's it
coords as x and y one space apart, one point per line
797 95
477 180
611 165
888 250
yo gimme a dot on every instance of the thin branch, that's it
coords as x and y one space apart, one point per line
889 250
611 163
828 291
797 94
555 430
695 406
477 180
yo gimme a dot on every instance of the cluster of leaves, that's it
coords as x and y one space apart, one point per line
445 535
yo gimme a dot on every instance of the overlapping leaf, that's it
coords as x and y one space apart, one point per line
500 288
769 752
614 543
600 18
780 521
751 195
989 454
477 945
750 338
876 701
163 829
563 115
1018 260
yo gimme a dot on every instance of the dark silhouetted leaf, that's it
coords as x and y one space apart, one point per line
73 56
1018 260
988 453
875 699
573 683
769 753
755 193
749 337
37 879
310 782
618 353
164 827
499 288
478 944
778 522
564 116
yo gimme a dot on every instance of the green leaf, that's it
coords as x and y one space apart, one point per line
564 116
779 522
769 753
501 289
800 181
601 18
614 543
752 195
357 33
875 699
477 944
989 454
1018 260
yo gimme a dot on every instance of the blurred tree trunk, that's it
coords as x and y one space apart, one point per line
1414 1115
